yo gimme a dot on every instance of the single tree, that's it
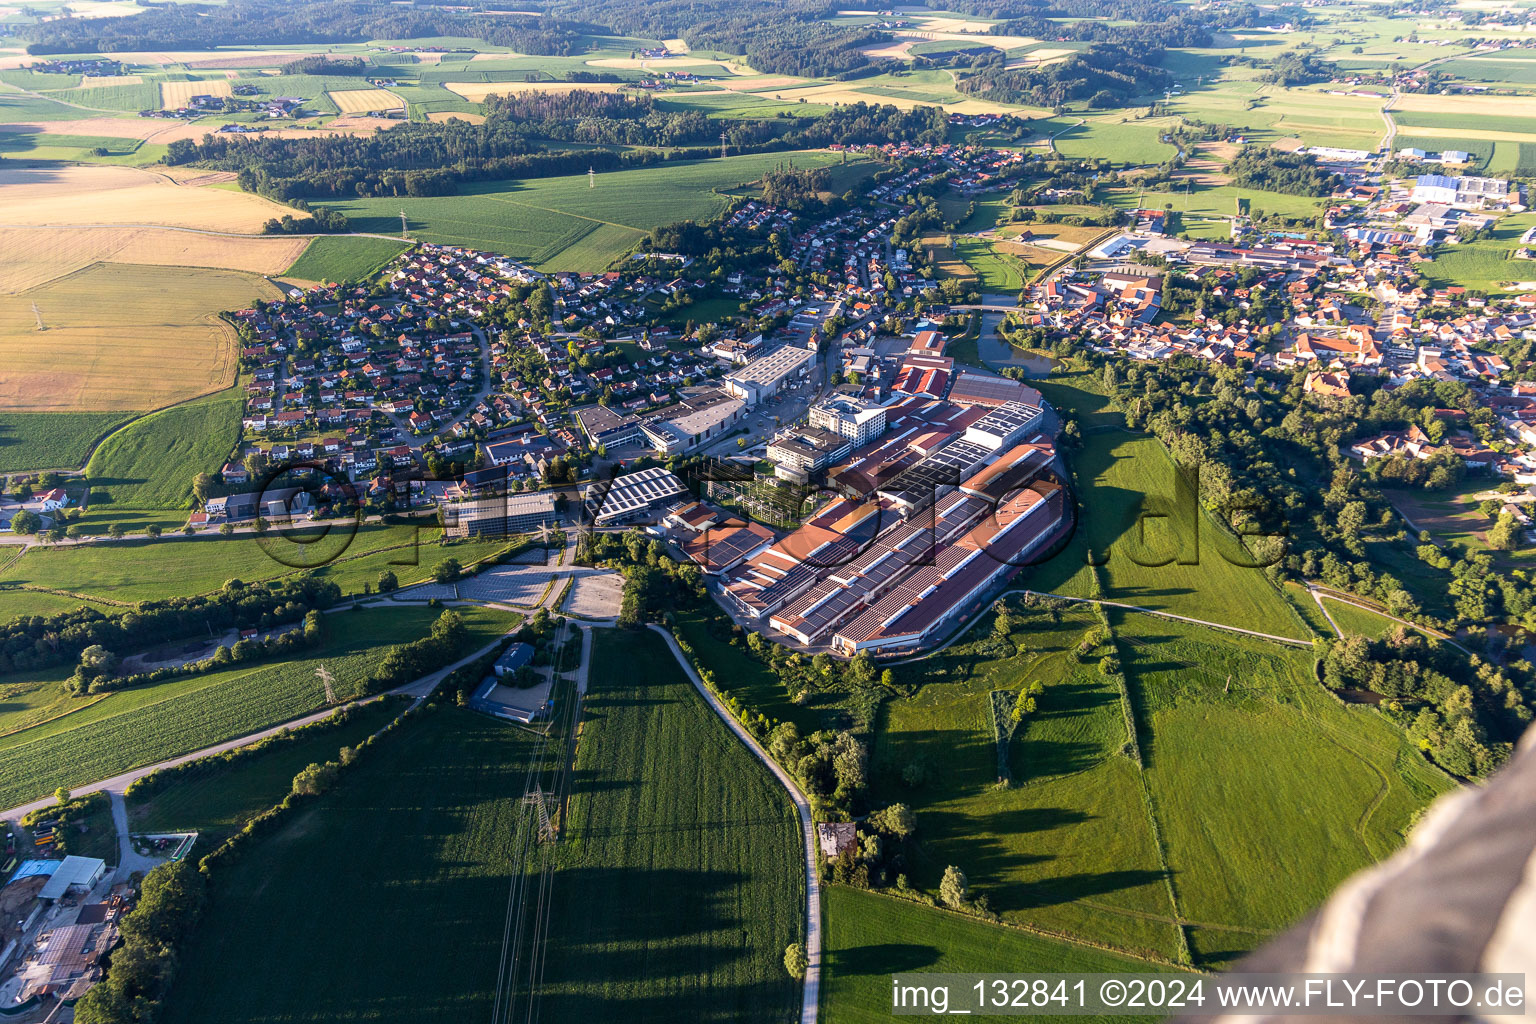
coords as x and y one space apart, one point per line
796 961
953 887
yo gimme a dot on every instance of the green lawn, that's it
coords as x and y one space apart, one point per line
1354 619
869 937
146 724
561 223
52 440
150 463
404 864
222 797
682 878
344 259
997 272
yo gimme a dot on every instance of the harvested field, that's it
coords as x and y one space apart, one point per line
43 254
442 116
891 51
105 196
93 127
249 60
1497 106
663 63
844 93
175 95
1001 42
361 101
121 337
762 82
1468 133
476 92
92 81
676 45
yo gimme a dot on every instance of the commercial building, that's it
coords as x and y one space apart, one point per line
1465 191
857 419
696 419
809 449
604 427
973 388
763 377
629 498
499 515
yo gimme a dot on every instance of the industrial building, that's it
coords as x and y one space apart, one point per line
1454 191
629 498
74 874
604 427
763 377
973 388
1003 426
499 515
809 449
695 419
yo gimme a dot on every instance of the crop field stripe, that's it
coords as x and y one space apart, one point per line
563 213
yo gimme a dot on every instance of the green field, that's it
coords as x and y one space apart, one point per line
344 259
1217 201
144 570
150 463
1302 791
997 272
1485 263
221 798
146 724
52 440
1120 476
1067 847
682 879
870 937
406 861
1352 618
562 224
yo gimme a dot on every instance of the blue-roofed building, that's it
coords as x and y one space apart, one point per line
512 659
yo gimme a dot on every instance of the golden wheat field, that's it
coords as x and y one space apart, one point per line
361 101
842 93
90 196
121 337
175 95
37 255
444 116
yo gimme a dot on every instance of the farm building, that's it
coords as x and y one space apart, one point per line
74 873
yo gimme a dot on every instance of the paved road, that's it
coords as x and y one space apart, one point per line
810 1004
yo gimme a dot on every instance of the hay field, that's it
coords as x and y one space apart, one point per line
360 101
443 116
760 84
105 196
122 337
476 92
1488 106
1466 133
174 95
891 51
43 254
676 45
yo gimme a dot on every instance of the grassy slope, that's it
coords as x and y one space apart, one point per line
681 883
419 831
870 937
150 463
147 724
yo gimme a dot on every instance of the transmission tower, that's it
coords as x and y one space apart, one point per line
546 827
327 679
722 145
39 314
591 177
404 231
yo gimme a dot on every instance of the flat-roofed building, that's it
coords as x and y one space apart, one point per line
857 419
763 377
696 419
810 449
973 388
499 515
634 496
605 427
1005 425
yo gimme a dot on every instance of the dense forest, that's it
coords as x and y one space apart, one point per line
430 158
252 22
1105 74
1295 174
